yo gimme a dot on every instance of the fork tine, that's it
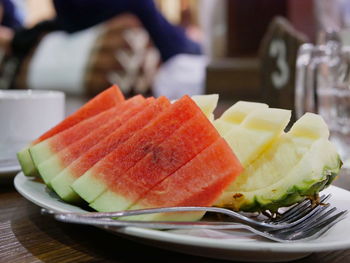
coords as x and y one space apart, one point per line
299 211
309 205
327 224
314 231
311 222
313 213
293 210
309 212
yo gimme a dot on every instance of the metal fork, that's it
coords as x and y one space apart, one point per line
293 216
311 228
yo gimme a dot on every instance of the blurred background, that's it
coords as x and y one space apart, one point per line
291 54
161 47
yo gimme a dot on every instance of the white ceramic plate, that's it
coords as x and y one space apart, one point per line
216 244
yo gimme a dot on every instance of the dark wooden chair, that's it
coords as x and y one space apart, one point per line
278 55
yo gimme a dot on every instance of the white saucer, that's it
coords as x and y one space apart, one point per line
9 166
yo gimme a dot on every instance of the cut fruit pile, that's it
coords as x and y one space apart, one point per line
118 154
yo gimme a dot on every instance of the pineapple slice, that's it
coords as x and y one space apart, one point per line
207 103
257 131
298 164
236 114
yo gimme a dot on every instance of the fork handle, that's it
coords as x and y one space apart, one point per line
110 224
135 212
124 213
106 223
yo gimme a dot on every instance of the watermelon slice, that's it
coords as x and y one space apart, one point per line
49 147
91 184
126 187
198 183
54 165
105 100
62 182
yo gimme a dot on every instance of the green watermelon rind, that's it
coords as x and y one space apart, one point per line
49 169
27 164
61 184
89 186
39 154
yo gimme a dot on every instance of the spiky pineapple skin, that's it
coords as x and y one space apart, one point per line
293 195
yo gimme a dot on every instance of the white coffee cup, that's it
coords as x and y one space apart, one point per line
25 115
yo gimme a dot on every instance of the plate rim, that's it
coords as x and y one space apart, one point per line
205 242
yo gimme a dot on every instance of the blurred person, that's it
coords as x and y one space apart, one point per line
179 74
171 41
9 21
9 15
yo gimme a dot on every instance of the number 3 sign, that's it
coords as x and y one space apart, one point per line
278 51
278 54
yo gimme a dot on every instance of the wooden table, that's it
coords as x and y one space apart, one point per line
28 236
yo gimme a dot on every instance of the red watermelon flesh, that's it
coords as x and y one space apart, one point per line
125 131
55 164
183 145
75 133
62 182
45 149
198 183
75 150
138 146
103 101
